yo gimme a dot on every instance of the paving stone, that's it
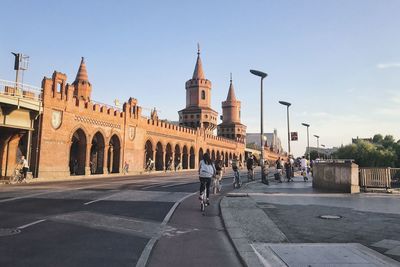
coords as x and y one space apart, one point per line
394 251
318 254
386 243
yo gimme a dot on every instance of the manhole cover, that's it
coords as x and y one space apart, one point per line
330 217
9 231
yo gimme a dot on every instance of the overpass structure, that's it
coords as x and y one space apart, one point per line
20 109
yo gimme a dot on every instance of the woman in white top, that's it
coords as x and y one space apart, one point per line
206 172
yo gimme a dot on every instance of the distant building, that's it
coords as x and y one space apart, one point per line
323 150
272 141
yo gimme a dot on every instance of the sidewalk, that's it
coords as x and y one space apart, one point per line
280 225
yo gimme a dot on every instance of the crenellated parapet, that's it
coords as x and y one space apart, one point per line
57 93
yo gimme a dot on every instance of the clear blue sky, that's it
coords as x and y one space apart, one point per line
337 62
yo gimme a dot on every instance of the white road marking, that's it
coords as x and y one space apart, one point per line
30 224
97 200
144 257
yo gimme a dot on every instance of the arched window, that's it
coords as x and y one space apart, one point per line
203 94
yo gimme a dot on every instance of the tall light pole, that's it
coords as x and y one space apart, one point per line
262 75
317 136
287 104
308 140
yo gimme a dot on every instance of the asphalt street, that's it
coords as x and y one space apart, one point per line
118 221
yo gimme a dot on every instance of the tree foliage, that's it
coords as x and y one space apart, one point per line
381 152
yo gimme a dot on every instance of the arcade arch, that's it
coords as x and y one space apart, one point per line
114 153
192 158
185 158
97 154
159 161
77 154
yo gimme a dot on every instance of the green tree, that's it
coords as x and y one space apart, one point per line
377 139
367 154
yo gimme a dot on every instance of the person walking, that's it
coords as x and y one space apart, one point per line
206 172
304 168
126 167
250 167
288 170
279 167
291 161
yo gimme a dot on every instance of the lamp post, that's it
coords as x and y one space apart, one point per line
308 140
317 136
287 104
262 75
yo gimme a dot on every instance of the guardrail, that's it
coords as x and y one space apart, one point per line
379 177
20 90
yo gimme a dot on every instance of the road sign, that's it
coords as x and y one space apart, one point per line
293 136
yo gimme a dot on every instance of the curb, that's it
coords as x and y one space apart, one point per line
242 247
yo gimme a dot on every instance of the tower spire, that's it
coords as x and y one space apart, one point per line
198 69
82 72
231 93
83 88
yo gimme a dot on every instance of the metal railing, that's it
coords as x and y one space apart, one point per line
379 177
20 90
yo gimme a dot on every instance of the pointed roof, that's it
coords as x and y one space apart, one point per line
198 69
231 93
82 72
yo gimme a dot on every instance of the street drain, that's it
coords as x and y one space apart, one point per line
330 217
9 231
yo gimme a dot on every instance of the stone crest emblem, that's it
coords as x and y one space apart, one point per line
56 119
132 132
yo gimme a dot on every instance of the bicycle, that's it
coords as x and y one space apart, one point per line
149 167
18 177
237 183
217 185
203 198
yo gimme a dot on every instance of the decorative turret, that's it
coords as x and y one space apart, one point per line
83 88
231 126
198 111
198 72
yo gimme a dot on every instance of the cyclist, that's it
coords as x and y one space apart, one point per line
149 165
25 166
250 167
235 167
206 172
218 176
169 165
178 165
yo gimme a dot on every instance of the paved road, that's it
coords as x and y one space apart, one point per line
112 222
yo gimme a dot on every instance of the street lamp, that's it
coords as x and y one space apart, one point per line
262 75
317 136
287 104
308 140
